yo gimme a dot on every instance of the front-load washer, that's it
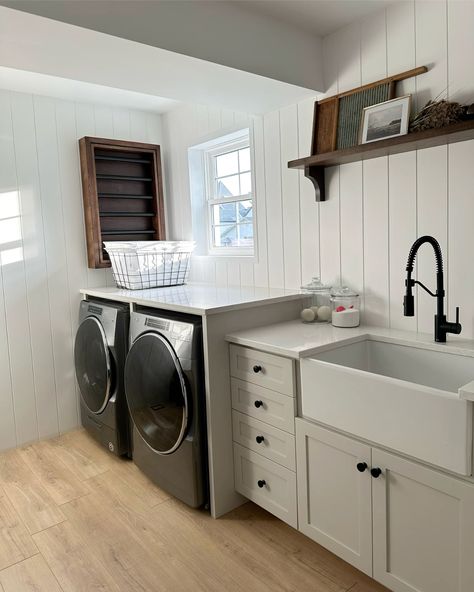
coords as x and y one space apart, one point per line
164 385
100 350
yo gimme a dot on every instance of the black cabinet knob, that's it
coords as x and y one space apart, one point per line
259 439
376 472
258 404
261 483
361 466
257 369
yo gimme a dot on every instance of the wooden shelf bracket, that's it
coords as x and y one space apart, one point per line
316 175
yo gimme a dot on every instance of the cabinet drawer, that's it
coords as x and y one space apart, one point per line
268 441
272 408
277 493
263 369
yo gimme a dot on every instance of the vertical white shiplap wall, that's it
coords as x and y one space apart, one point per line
286 212
376 209
43 255
407 195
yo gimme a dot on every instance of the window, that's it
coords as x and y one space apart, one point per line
11 239
229 196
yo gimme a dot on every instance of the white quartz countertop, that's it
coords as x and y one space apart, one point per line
194 298
294 339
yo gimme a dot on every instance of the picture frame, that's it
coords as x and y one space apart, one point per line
385 120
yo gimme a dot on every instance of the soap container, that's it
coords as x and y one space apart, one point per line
345 305
317 307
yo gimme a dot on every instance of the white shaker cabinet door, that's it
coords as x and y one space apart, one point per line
334 493
423 528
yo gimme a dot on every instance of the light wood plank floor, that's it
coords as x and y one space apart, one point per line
73 518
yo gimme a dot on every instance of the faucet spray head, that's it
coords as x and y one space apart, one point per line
409 300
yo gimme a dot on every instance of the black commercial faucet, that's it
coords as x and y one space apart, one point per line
441 325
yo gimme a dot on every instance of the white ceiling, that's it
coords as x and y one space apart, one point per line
279 39
248 55
75 90
320 17
54 49
218 31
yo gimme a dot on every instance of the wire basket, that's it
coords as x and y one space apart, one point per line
138 265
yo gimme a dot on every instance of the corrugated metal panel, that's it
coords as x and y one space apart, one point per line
350 113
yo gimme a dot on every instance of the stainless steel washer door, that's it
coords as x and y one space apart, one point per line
92 362
156 393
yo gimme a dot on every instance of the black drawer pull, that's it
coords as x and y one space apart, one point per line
361 467
261 483
260 439
376 472
257 369
258 404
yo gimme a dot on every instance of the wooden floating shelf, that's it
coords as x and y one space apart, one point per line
315 165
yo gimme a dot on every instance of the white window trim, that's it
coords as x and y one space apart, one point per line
209 155
196 161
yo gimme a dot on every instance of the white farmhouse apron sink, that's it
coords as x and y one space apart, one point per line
406 398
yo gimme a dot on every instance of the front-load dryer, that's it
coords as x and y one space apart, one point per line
164 385
100 350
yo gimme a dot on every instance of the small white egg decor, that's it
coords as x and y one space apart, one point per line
315 310
324 313
307 315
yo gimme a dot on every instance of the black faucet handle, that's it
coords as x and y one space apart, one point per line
456 327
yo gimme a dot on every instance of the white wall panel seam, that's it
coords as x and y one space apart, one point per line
66 254
262 176
447 278
12 392
281 200
28 307
363 241
417 232
7 337
386 41
26 285
56 349
415 82
447 55
299 193
388 241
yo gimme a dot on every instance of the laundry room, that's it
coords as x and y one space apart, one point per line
236 311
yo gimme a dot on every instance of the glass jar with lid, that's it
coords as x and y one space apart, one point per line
345 304
317 305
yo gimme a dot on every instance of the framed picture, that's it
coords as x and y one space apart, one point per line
385 120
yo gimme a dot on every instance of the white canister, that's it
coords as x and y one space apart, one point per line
345 307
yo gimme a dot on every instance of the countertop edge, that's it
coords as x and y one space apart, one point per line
293 353
130 300
203 311
394 336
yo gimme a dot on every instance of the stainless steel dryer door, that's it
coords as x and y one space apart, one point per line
156 393
92 362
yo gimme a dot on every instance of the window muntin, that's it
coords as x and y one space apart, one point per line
230 198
